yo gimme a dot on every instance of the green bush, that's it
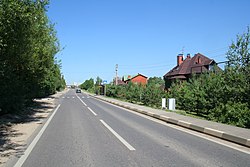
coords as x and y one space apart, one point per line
232 113
149 95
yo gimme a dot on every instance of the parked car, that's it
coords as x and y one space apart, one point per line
78 90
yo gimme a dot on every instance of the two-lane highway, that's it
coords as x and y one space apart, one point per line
88 132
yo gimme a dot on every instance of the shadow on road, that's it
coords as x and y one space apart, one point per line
10 147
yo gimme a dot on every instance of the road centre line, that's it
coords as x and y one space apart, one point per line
92 111
23 158
131 148
82 101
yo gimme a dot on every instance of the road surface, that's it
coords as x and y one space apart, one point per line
86 132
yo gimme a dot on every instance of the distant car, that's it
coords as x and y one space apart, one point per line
78 90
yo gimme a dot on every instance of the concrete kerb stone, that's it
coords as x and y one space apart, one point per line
248 142
235 139
184 124
213 132
197 128
173 121
150 114
164 118
209 131
156 116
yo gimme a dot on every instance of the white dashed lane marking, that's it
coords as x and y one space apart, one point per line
92 111
131 148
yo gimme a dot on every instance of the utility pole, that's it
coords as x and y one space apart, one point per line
116 77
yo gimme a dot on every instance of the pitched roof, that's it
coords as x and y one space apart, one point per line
139 75
190 65
129 77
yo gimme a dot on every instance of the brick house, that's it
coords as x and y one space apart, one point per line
137 79
191 65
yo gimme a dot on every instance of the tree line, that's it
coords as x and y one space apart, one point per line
28 45
222 96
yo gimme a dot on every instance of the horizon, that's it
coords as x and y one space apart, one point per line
142 36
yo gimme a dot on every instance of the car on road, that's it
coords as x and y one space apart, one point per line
78 90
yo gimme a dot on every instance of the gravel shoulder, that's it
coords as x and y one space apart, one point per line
15 130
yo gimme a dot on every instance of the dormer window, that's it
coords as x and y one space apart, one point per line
198 61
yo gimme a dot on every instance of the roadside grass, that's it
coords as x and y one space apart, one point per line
181 112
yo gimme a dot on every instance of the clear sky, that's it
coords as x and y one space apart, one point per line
142 36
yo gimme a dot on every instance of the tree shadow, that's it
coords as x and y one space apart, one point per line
8 147
30 114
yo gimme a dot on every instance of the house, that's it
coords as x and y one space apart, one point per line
186 67
137 79
119 81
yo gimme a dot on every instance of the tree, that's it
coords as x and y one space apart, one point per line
157 81
222 96
88 84
28 45
98 81
238 54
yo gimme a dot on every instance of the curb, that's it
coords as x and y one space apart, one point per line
209 131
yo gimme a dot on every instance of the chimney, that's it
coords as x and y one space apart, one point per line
179 59
188 55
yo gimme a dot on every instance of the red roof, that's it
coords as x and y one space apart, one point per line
139 75
190 65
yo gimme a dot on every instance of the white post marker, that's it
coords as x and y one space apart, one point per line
163 103
34 142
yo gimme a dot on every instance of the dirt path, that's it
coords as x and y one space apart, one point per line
16 130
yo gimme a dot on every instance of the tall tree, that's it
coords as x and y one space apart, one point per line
28 45
238 54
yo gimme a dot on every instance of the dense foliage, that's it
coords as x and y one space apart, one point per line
223 96
149 95
88 85
28 44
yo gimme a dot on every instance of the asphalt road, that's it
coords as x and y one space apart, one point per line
86 132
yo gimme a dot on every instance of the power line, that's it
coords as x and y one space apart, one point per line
147 67
217 50
220 55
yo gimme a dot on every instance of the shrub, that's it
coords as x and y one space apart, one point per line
232 113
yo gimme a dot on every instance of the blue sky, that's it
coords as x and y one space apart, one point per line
142 36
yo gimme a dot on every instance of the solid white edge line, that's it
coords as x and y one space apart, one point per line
82 101
183 129
92 111
23 158
118 136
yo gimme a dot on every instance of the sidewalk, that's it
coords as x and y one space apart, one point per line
223 131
